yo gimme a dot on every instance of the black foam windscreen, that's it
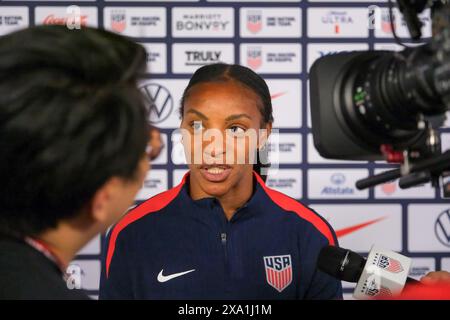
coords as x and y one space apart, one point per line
341 263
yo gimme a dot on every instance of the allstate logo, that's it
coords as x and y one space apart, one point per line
442 228
337 179
158 101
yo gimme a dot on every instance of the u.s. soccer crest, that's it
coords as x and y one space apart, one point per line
386 25
389 264
118 21
278 271
254 21
254 57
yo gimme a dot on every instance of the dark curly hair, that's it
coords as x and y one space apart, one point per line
71 117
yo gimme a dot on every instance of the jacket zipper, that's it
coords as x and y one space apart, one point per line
223 238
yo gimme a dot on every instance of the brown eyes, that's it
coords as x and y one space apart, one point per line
235 130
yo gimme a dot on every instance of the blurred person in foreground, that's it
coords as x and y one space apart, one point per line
73 135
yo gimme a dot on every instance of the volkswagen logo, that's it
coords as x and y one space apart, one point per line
442 228
158 101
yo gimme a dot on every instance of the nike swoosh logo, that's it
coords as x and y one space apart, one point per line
343 232
276 95
163 278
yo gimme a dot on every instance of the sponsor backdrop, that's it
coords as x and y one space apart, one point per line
280 40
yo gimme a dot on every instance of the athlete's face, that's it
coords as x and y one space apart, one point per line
221 122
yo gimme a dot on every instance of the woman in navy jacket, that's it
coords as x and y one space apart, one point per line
221 233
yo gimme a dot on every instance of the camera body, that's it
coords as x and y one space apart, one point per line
333 137
383 105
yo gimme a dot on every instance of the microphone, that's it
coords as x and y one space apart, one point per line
383 275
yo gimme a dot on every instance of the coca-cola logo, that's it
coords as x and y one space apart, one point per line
54 20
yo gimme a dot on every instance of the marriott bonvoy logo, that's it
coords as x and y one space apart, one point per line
203 22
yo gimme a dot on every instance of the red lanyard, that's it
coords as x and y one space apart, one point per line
46 251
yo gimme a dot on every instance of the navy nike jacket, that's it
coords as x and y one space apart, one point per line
172 247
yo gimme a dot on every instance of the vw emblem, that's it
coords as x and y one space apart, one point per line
442 228
158 101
